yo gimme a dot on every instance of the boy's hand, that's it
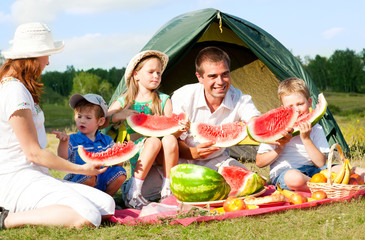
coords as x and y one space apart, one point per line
305 129
63 137
287 136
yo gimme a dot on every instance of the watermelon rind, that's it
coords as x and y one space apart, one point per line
235 133
119 153
243 182
272 124
253 183
194 183
315 115
156 128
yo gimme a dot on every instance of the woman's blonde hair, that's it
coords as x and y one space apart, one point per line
293 85
132 89
27 71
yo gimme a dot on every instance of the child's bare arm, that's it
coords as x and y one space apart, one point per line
317 157
62 150
265 159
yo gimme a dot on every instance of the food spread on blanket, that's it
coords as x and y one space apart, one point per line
277 197
194 183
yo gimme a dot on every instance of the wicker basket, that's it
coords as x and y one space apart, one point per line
334 190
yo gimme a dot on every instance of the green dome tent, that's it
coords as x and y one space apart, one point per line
258 60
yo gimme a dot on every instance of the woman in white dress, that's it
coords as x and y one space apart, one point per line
29 195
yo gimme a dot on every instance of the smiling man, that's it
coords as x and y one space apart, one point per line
214 101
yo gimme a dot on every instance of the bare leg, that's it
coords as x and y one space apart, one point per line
114 186
54 215
296 180
151 148
90 181
170 154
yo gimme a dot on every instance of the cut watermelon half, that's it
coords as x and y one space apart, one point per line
269 126
120 152
314 116
224 135
242 181
154 125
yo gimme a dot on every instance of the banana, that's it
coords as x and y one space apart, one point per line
286 193
346 178
340 174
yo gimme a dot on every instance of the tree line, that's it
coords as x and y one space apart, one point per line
343 71
61 85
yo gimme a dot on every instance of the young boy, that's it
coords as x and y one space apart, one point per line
90 112
294 160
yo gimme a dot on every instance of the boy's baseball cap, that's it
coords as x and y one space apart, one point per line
90 97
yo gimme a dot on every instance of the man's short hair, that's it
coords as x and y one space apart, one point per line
210 54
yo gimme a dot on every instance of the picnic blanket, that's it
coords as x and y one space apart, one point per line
170 210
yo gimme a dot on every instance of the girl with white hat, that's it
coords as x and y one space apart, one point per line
29 195
150 169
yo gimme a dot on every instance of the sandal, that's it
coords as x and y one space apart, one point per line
3 215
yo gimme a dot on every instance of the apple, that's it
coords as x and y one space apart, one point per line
233 204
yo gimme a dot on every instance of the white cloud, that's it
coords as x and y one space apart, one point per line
47 10
98 51
332 32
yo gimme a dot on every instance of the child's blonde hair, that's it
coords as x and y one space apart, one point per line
293 85
132 89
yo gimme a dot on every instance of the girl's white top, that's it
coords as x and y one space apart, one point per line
14 96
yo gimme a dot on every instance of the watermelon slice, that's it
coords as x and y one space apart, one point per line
314 116
154 125
120 152
242 181
225 135
269 126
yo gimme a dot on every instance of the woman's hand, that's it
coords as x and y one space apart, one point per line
92 168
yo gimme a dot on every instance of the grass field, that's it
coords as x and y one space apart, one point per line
333 221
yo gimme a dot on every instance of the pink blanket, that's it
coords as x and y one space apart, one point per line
131 216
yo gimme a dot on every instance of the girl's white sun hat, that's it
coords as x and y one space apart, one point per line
33 40
137 58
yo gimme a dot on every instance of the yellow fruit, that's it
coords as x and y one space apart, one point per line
219 210
340 174
325 173
285 192
251 206
318 178
297 198
318 195
346 178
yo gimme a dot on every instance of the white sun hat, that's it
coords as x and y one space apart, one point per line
136 59
33 40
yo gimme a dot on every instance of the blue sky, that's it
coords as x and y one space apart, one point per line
108 33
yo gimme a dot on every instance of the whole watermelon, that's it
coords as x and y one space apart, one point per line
194 183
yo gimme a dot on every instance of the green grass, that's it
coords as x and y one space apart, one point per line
58 117
332 221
